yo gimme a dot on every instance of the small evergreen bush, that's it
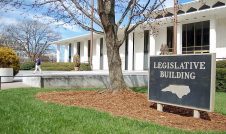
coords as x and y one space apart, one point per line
85 67
27 65
57 66
221 79
221 64
9 59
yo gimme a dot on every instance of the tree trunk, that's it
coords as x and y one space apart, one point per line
117 82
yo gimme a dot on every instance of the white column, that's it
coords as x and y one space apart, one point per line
74 50
179 39
58 52
213 36
139 51
96 64
152 44
122 54
85 45
66 53
130 52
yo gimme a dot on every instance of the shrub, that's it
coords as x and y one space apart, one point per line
27 65
76 60
59 66
221 79
221 64
85 67
9 59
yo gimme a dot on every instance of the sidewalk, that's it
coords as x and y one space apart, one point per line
17 83
14 84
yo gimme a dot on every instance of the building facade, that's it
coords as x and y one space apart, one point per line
201 28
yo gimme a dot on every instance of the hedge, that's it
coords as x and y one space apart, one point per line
85 67
221 64
56 66
27 66
221 79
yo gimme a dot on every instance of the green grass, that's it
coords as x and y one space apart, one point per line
220 102
21 113
220 99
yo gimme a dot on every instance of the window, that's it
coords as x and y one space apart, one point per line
169 14
203 7
192 9
159 16
89 44
78 48
69 52
146 49
218 4
126 53
180 12
170 38
195 37
101 53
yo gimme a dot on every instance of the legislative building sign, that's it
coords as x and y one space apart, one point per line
183 80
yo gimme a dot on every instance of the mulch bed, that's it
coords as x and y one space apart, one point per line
136 105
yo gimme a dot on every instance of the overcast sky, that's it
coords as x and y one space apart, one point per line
67 31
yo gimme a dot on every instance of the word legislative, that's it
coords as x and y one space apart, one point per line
166 69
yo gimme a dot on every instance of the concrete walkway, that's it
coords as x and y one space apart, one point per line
97 72
14 84
17 83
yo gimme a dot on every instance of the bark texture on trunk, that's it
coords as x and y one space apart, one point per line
117 82
106 11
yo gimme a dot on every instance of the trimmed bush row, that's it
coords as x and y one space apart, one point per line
27 66
221 79
60 66
221 64
56 66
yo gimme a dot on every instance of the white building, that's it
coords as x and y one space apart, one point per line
201 29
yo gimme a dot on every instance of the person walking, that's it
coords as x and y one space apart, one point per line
37 65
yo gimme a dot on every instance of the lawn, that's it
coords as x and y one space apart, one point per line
21 113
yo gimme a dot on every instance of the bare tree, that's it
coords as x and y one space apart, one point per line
130 14
31 37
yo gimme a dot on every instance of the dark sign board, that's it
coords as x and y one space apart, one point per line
183 80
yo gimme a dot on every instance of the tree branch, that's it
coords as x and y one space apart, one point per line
78 22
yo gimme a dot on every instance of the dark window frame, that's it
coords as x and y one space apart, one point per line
69 52
190 45
78 48
126 52
204 6
218 4
146 49
170 38
101 53
192 9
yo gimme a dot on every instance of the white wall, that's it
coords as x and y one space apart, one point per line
221 38
66 53
221 33
82 51
105 62
138 50
96 54
221 52
122 55
161 38
152 42
58 53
